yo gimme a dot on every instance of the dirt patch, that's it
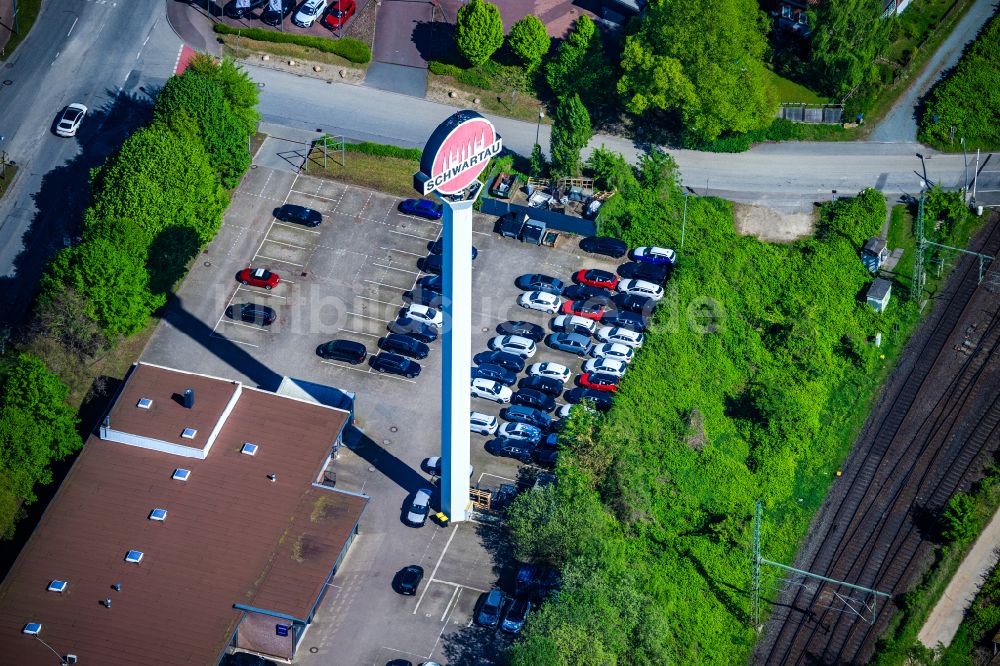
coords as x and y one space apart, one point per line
770 225
526 107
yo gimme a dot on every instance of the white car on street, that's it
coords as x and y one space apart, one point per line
484 424
513 344
309 12
605 365
425 315
621 335
615 350
491 390
641 288
70 119
551 370
540 300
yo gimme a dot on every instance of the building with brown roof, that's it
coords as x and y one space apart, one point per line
182 531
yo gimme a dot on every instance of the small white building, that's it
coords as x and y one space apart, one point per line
878 294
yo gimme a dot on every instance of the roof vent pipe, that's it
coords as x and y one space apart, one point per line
189 398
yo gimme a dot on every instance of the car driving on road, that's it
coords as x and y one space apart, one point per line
70 119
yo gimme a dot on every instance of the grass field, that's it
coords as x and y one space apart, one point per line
240 46
9 172
385 174
790 91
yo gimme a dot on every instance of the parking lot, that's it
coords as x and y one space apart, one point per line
345 279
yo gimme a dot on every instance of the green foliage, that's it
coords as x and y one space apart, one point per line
571 131
702 62
383 150
539 167
237 86
960 522
349 48
848 38
222 135
444 69
478 31
529 41
580 66
969 98
856 219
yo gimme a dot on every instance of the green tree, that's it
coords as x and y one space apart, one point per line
529 41
236 84
478 31
849 35
580 66
960 524
703 63
571 131
538 165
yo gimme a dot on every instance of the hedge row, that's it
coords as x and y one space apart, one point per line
383 150
349 48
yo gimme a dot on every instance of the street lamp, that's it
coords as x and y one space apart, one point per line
924 166
965 160
538 128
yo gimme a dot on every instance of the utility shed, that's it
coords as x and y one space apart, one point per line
874 253
879 293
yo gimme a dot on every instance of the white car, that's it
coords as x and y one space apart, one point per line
654 255
540 300
522 432
621 335
641 288
309 12
615 350
551 370
425 315
484 424
420 507
491 390
69 121
573 324
565 410
606 365
513 344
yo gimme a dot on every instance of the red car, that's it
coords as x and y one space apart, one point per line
338 13
599 381
583 309
258 277
597 278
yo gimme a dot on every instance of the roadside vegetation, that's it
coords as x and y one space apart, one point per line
352 50
155 203
27 13
375 166
9 172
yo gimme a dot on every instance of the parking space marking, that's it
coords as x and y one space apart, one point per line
403 233
369 371
297 247
438 564
458 589
280 261
460 585
422 220
393 249
260 293
239 342
266 181
278 223
351 330
393 268
496 476
383 284
310 194
366 370
369 298
355 314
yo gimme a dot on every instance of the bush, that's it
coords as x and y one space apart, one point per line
444 69
960 522
348 48
384 150
478 31
529 41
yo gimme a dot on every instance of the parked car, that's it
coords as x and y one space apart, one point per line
503 359
394 364
610 247
414 329
641 288
529 415
599 381
343 350
490 390
654 255
551 370
584 292
521 432
563 412
398 343
606 365
541 301
600 399
623 319
621 335
484 424
408 579
508 448
432 263
613 350
276 16
513 344
539 282
423 314
534 398
597 278
300 214
437 247
309 11
70 119
253 313
494 373
574 324
545 457
587 309
233 10
420 507
258 277
339 13
432 466
517 613
524 329
574 343
419 207
641 305
544 384
431 283
431 299
657 273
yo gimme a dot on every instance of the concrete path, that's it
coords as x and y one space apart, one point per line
961 591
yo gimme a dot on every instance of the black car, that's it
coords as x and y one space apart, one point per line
272 17
601 399
529 415
414 329
298 215
510 448
403 344
408 579
394 364
503 359
545 457
642 305
523 328
232 11
343 350
489 610
495 373
431 299
539 282
656 273
610 247
431 264
629 320
517 613
585 292
437 247
547 385
431 283
252 313
534 398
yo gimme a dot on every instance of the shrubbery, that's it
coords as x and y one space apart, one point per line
348 48
384 150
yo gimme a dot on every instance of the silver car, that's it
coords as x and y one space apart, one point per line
514 344
484 424
309 12
521 432
419 507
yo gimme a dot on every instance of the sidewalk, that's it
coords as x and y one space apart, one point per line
192 24
6 21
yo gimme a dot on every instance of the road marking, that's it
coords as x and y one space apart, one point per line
355 314
369 371
496 476
458 589
297 227
281 261
222 337
391 286
368 298
403 233
423 254
351 330
74 25
448 582
298 247
441 557
393 268
260 293
239 323
310 194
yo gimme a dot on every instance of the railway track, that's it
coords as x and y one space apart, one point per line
937 423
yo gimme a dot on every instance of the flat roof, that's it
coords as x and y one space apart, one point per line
231 536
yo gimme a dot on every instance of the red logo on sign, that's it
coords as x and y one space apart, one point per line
461 155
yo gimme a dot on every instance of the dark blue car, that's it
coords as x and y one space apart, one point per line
421 208
539 282
630 320
529 415
437 247
431 282
494 372
503 359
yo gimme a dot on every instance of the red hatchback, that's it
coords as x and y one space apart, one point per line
599 381
258 277
338 13
597 278
585 309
